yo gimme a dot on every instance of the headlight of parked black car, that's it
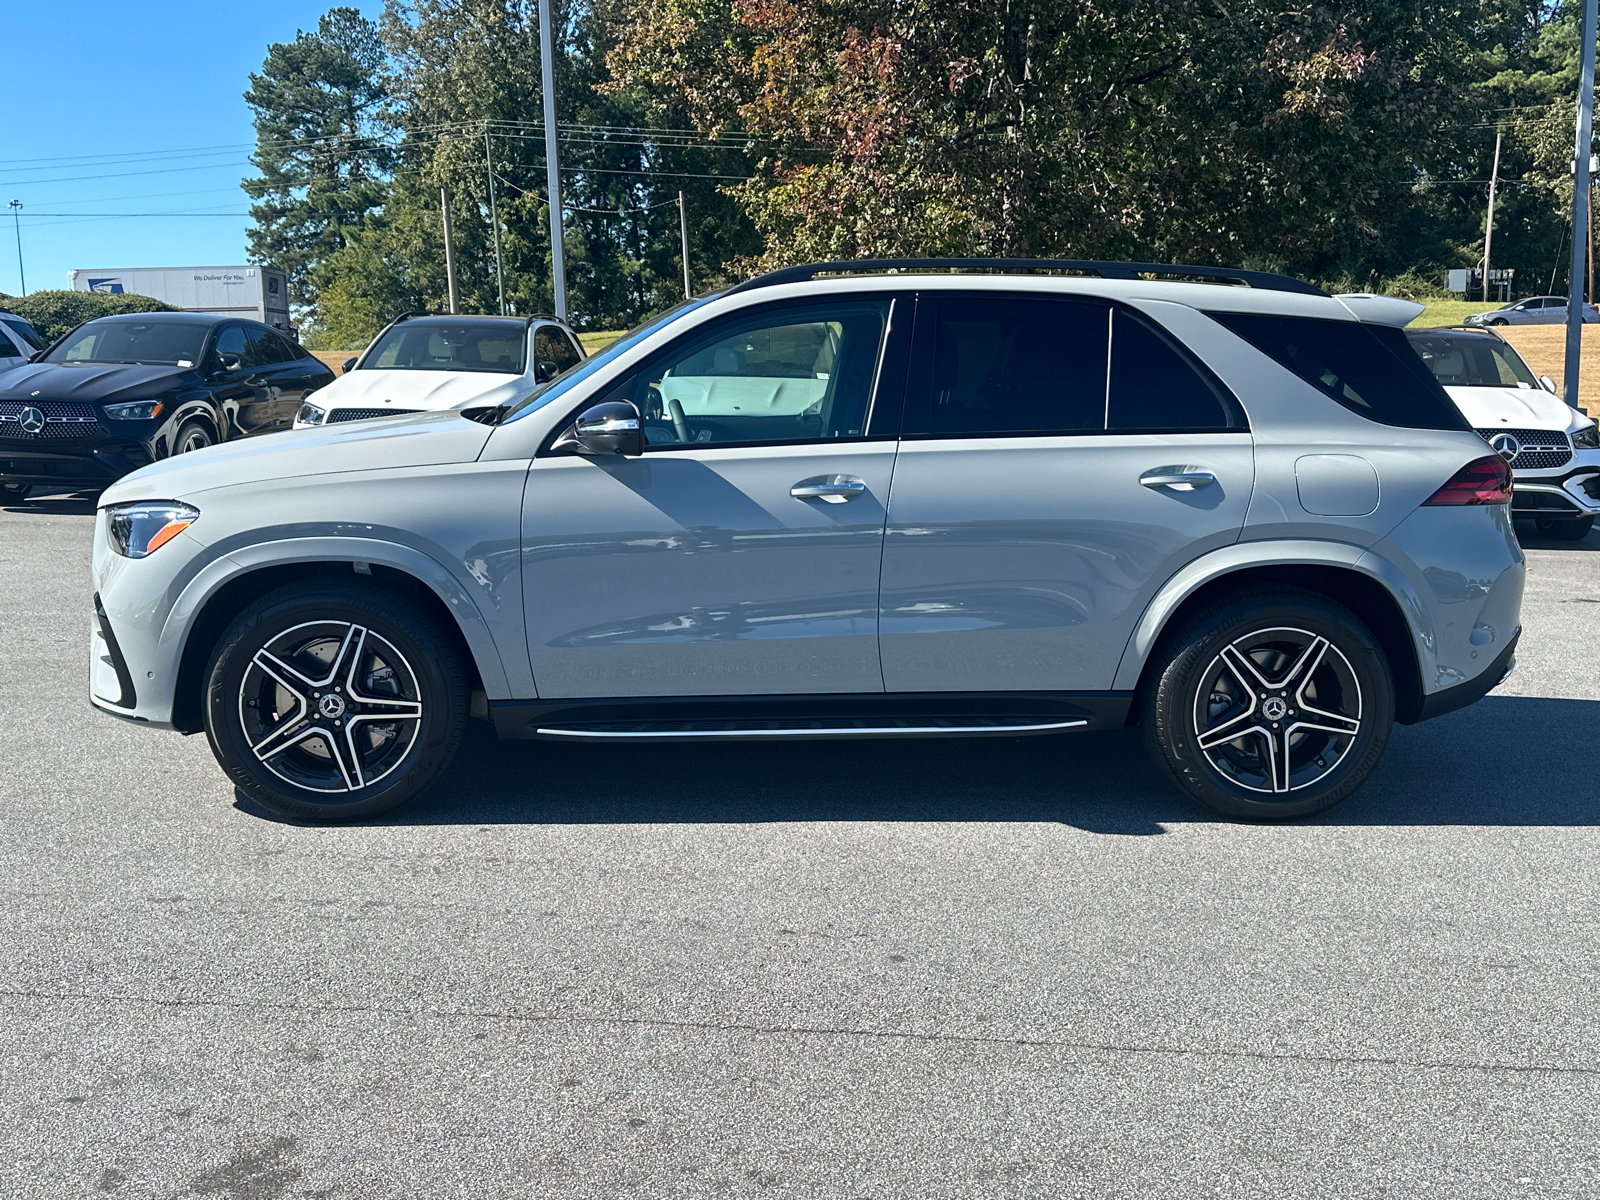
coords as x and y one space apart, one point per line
135 410
1587 439
138 530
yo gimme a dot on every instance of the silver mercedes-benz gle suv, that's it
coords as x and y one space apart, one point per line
936 498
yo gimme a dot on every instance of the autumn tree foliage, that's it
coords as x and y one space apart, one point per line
1180 129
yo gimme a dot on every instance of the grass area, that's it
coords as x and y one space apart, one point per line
595 340
1448 312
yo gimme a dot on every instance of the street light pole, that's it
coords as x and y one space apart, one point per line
683 233
1488 226
547 65
494 220
1580 209
449 250
16 216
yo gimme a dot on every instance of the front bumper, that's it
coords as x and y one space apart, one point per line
86 466
1576 494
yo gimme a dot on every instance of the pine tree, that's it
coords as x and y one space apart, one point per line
320 105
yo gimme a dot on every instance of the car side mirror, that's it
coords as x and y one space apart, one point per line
1548 384
230 362
349 364
545 370
610 428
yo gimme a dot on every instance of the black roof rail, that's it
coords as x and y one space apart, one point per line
1265 280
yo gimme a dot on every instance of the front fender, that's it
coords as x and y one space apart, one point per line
1244 556
242 560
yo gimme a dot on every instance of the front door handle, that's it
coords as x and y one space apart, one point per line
1179 479
830 489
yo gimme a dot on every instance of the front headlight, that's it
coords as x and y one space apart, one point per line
310 414
136 410
137 530
1587 439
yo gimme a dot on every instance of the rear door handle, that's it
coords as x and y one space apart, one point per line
830 489
1179 479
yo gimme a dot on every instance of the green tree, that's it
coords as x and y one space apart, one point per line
320 105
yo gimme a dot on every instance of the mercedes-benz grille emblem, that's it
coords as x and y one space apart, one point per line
31 420
1506 446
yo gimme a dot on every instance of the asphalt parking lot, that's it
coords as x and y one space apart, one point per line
919 969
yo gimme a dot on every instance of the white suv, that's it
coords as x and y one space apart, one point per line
421 363
1553 449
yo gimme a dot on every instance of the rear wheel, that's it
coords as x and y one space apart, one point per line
1270 705
14 493
329 701
1566 529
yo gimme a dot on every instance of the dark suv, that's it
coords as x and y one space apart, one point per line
120 392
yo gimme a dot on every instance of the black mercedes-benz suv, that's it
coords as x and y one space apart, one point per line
119 392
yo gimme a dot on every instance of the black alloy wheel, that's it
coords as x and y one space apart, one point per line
192 435
328 700
14 493
1270 705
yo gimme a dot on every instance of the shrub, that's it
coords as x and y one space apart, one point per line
53 313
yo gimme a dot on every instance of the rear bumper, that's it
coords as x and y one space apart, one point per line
1447 700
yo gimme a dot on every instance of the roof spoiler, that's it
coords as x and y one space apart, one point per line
1380 310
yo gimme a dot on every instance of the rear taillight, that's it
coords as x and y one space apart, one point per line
1485 481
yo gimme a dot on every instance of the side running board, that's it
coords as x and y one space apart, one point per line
688 731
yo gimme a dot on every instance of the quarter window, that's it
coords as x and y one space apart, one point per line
1370 369
802 373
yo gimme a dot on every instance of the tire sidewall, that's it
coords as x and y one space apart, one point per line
441 690
1188 668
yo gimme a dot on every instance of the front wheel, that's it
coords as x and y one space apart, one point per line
328 701
1565 529
192 435
1270 705
1499 321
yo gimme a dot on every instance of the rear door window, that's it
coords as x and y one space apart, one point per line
1158 387
1010 366
552 345
1371 370
1016 366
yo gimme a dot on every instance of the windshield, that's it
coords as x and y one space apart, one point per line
1469 361
450 345
568 380
150 343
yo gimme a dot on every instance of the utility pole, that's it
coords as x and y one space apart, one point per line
1488 228
683 233
16 217
1580 208
449 249
552 164
494 220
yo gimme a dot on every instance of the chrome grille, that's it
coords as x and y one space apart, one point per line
62 419
1542 449
363 414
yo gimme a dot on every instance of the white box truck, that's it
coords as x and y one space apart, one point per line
260 293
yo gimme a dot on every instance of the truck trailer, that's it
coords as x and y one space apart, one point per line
260 293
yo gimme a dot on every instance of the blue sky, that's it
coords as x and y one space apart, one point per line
115 108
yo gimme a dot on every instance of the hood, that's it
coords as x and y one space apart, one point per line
385 443
417 389
97 382
1511 408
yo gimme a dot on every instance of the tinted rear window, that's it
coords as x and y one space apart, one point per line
1370 369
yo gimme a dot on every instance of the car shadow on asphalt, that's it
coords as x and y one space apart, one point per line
63 505
1529 537
1512 761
